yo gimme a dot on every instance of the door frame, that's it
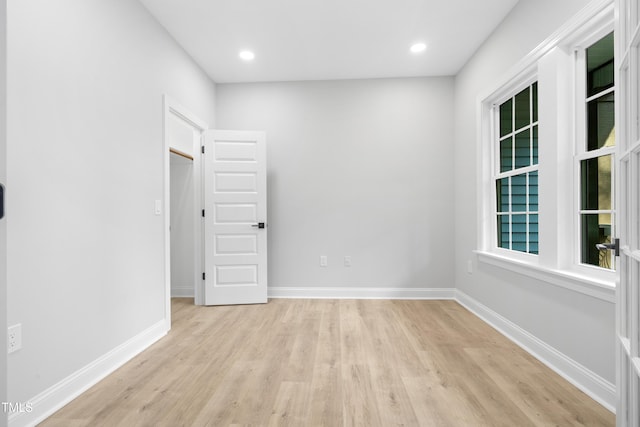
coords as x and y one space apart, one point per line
627 312
3 222
172 107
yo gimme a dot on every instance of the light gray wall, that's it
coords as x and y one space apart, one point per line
359 168
579 326
85 250
3 222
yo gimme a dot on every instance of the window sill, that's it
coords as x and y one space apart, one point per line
601 289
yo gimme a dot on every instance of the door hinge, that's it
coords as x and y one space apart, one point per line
202 149
1 201
203 213
203 276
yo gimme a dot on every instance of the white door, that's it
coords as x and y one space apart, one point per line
235 217
628 167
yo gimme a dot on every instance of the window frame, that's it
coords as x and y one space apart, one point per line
525 170
580 151
490 113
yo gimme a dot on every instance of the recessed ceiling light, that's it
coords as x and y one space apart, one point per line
247 55
418 47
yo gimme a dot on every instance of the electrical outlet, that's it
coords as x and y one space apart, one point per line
14 338
323 261
347 261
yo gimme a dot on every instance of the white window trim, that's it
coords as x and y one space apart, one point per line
587 285
524 82
599 30
557 263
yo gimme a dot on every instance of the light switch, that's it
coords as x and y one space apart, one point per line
158 209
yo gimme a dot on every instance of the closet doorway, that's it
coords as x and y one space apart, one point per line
182 204
182 224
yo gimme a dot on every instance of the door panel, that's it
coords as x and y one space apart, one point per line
237 275
236 182
236 213
238 244
235 196
628 207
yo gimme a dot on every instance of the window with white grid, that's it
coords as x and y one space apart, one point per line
516 174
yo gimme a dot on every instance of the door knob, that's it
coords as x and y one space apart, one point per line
259 225
615 246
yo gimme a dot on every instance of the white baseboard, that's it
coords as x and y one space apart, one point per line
54 398
589 382
185 291
360 293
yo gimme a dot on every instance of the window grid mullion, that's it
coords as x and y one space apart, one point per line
530 133
600 152
519 171
600 94
526 208
510 213
512 134
513 139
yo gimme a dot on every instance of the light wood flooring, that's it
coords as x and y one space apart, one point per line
332 363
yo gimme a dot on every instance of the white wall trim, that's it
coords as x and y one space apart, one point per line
172 107
571 30
55 397
600 289
182 291
596 387
360 293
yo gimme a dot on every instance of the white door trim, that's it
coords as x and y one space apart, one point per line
3 222
171 106
628 171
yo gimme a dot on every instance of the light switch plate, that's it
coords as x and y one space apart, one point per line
14 338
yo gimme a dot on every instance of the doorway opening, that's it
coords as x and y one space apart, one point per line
182 224
182 198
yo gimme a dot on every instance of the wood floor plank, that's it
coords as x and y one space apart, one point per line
325 400
391 397
437 405
332 363
290 408
358 401
326 397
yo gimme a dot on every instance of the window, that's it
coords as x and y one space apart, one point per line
595 152
546 160
516 178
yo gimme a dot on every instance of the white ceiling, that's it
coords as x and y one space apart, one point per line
328 39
